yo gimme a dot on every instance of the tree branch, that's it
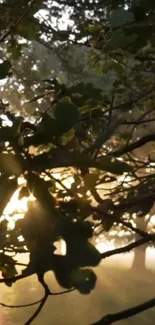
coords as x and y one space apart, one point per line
112 318
21 306
146 238
126 248
135 123
135 145
36 313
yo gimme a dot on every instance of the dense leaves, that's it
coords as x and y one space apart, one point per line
84 149
66 116
121 17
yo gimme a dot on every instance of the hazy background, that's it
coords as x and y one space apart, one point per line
119 286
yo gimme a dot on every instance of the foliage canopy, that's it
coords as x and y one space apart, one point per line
98 136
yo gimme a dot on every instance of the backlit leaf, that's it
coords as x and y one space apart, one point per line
83 280
66 115
8 271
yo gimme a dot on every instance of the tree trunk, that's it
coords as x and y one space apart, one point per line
139 258
140 252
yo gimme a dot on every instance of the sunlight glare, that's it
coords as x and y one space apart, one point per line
61 247
16 209
102 246
67 180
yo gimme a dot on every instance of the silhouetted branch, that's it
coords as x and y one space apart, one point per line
43 300
126 248
42 303
146 237
134 145
112 318
21 306
36 313
140 232
15 278
128 225
138 122
61 292
109 319
43 283
144 58
38 301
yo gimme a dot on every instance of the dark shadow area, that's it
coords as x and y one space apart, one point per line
117 288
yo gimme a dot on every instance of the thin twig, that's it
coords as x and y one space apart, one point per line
36 313
111 107
21 306
140 119
61 292
2 39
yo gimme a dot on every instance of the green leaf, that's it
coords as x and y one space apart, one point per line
28 31
9 133
95 28
15 50
48 127
67 137
17 126
7 189
93 256
121 17
62 35
62 270
87 92
120 40
5 134
45 200
8 271
5 68
7 268
40 189
108 223
66 115
81 252
83 280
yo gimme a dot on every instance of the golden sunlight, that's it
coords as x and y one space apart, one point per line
65 179
16 208
103 246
